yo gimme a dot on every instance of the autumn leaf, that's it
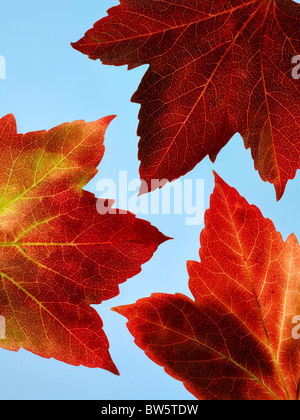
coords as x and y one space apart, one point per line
58 255
215 69
235 340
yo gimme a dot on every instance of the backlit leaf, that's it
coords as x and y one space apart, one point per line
58 255
236 339
215 68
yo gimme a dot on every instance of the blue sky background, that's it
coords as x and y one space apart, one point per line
49 83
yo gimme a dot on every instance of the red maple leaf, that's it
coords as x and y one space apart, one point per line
235 340
58 255
216 68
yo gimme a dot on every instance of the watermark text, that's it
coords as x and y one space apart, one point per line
2 328
2 67
180 197
296 329
296 69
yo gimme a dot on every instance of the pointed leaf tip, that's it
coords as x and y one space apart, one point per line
234 341
194 110
79 256
125 310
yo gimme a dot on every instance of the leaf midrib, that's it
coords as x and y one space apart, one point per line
222 355
228 49
253 291
42 307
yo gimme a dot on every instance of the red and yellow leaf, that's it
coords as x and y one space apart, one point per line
216 68
235 340
58 255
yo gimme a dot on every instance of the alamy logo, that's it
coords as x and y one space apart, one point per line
181 197
296 329
2 67
296 69
2 327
